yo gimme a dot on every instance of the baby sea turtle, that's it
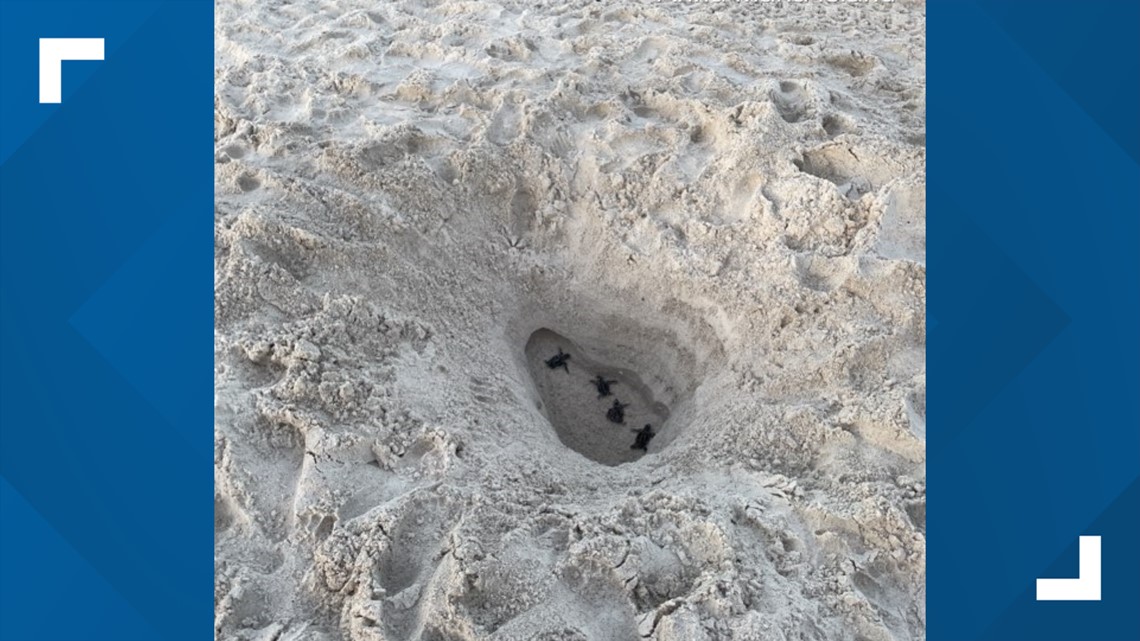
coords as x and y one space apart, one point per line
643 436
603 386
554 362
616 413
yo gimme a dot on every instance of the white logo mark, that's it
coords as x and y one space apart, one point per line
53 51
1086 587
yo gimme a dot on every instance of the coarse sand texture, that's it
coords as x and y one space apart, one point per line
467 251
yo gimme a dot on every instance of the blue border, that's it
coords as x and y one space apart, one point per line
1033 245
106 248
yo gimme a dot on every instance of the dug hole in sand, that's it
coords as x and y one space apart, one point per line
718 208
588 421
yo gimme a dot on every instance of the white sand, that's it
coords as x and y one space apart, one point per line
719 206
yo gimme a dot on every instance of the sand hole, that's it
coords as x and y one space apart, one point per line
570 400
854 172
248 182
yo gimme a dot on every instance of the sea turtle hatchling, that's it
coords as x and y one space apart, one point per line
603 386
616 413
559 360
641 442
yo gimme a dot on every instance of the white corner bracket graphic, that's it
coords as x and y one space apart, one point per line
1086 587
53 51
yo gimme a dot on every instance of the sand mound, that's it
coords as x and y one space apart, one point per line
717 206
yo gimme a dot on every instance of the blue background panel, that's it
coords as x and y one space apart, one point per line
1033 243
106 250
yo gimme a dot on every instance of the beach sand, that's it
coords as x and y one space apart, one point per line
720 207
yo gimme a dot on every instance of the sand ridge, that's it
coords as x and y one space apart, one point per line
724 200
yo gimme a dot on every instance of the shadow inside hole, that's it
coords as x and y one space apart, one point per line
571 402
